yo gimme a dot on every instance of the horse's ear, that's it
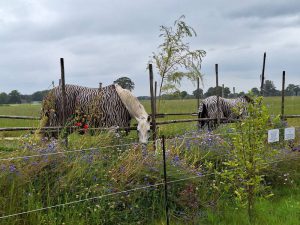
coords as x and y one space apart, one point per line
148 118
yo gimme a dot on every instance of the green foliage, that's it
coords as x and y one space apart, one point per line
250 155
14 97
270 89
174 59
198 93
39 95
255 91
214 91
125 83
292 90
3 98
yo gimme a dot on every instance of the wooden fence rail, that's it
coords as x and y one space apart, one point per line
291 116
20 117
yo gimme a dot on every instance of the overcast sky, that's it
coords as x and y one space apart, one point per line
102 40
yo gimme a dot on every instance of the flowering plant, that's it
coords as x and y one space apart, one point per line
81 121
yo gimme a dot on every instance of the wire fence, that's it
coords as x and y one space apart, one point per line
183 138
125 191
198 136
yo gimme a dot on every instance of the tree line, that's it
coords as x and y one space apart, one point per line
269 90
15 97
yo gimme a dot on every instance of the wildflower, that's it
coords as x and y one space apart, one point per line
12 168
78 124
199 174
85 126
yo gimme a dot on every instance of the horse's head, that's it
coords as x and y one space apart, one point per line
143 129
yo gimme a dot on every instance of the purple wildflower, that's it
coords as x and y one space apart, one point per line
199 174
12 168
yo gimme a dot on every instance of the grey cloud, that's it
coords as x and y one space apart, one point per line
102 40
268 9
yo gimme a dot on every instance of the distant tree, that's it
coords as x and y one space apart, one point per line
183 94
214 91
125 82
14 97
255 91
3 98
292 90
198 93
226 92
241 94
26 98
174 54
297 90
269 89
39 95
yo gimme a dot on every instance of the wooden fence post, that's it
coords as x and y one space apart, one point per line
153 108
64 100
263 76
282 95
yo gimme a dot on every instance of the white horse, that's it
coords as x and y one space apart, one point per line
137 111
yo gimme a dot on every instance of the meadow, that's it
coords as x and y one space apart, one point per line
93 180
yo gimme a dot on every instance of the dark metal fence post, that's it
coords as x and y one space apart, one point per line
282 95
63 89
153 108
165 178
263 76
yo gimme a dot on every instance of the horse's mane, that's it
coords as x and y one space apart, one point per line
135 108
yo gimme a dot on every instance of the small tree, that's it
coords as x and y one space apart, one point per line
249 156
174 59
125 82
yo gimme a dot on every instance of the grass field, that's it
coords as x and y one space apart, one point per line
31 183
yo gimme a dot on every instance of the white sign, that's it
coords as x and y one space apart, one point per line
289 133
273 135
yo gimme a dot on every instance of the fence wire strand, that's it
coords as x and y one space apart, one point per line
125 191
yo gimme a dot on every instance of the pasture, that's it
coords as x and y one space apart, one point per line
292 106
97 184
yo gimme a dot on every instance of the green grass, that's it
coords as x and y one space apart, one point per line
292 106
44 181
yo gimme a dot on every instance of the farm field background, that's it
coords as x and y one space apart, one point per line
292 106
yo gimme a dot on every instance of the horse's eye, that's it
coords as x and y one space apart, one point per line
148 131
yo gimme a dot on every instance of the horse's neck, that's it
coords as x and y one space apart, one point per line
136 111
134 107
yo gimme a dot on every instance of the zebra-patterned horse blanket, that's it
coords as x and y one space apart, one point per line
103 106
228 108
